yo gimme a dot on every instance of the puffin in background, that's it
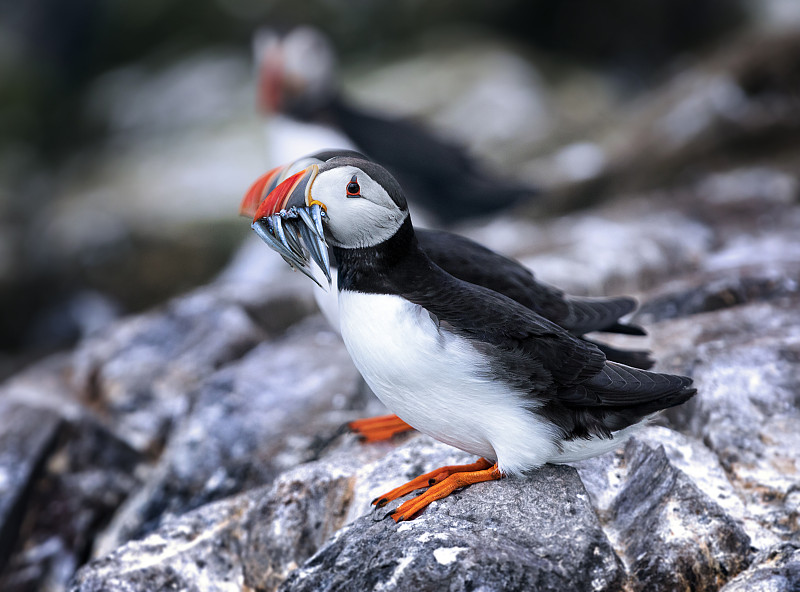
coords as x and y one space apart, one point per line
467 260
457 361
296 77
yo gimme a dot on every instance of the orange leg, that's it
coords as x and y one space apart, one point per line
374 429
409 509
428 479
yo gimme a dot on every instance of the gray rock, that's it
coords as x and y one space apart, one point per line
673 529
773 570
272 294
254 539
87 474
697 121
756 247
249 421
27 435
606 475
576 254
744 361
198 552
698 462
508 534
305 508
139 372
673 535
248 416
537 532
713 291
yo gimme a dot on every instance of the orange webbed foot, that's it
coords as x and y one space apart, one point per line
375 429
441 482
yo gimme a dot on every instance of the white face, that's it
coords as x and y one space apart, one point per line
308 61
355 222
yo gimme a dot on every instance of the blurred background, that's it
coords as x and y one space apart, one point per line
129 130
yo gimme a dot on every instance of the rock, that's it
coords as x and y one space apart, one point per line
709 292
87 475
260 414
672 534
773 570
253 539
539 531
698 462
534 533
249 422
198 551
26 438
139 378
731 107
273 295
673 529
574 252
604 477
744 361
139 372
305 508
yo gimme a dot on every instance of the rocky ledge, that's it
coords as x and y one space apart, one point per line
199 446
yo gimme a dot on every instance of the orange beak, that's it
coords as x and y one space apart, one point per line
293 192
289 221
258 191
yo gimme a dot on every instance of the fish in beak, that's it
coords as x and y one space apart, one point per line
290 221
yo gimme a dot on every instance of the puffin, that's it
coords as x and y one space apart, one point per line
474 263
469 261
296 77
460 362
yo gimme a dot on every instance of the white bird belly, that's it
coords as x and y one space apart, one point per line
438 383
327 300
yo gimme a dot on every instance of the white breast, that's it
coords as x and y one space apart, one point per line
438 383
327 300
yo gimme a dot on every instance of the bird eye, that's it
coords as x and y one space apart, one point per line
353 188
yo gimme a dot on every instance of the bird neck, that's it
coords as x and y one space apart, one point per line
375 269
322 109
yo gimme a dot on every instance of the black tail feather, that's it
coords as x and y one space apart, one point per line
600 314
617 385
637 358
626 329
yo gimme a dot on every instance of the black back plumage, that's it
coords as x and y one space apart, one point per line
472 262
568 379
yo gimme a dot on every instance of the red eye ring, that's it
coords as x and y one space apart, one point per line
353 188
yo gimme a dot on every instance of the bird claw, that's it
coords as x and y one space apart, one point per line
298 236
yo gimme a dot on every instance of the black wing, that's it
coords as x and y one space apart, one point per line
525 349
569 379
613 399
474 263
